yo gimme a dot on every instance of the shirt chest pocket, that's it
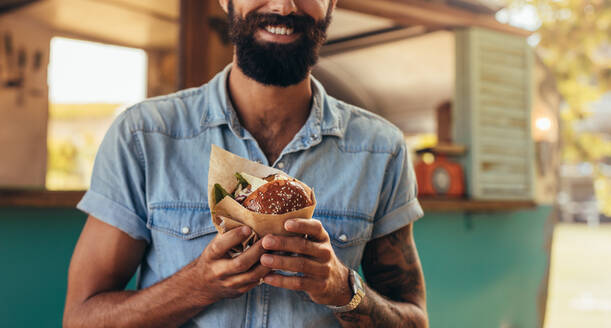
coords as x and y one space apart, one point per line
348 236
179 235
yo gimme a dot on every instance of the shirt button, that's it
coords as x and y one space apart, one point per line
343 237
281 165
185 230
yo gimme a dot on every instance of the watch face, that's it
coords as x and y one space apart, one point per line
356 281
441 180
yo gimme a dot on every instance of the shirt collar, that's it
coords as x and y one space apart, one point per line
324 117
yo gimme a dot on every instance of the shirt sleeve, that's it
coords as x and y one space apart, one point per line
398 203
117 192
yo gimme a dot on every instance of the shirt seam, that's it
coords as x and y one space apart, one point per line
371 150
167 134
407 204
139 151
183 94
117 203
324 212
335 214
178 205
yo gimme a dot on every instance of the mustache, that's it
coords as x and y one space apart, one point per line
312 30
299 23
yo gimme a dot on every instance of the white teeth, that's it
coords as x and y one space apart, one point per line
279 30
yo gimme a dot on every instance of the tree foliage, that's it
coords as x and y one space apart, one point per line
574 42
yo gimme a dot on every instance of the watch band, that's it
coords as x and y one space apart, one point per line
358 292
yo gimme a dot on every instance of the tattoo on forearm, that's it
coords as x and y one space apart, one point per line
396 294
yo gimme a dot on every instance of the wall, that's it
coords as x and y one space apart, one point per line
24 54
481 270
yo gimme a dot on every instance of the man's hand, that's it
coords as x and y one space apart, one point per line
223 277
101 267
325 278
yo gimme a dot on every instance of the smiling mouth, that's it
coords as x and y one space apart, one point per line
279 30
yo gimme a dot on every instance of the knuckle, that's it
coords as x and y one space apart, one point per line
303 245
302 264
326 270
324 233
282 243
251 277
241 264
214 249
326 254
214 272
323 284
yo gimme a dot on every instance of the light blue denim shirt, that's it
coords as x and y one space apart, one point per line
150 180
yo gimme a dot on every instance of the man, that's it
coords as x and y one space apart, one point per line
148 209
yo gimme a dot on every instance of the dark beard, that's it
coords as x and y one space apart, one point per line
273 63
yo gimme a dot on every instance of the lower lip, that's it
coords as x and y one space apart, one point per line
271 37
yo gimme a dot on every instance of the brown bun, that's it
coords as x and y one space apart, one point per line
278 197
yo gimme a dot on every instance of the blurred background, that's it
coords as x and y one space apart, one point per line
505 103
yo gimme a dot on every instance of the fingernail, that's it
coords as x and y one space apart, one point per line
267 259
246 230
269 242
289 224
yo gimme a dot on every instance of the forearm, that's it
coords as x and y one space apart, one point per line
168 303
378 311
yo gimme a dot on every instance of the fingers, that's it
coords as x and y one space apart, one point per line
244 261
222 243
246 279
312 228
296 264
299 245
295 283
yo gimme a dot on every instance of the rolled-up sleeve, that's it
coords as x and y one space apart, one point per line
117 192
398 201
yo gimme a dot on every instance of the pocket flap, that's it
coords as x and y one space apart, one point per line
182 222
346 231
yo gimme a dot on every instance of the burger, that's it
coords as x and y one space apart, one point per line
273 194
242 192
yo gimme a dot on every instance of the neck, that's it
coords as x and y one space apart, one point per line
255 102
273 115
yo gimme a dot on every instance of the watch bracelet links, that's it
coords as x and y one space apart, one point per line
356 298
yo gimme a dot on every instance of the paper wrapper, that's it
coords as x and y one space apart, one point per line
229 214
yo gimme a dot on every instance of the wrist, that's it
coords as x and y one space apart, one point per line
192 287
357 294
344 292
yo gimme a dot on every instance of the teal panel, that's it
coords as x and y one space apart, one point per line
35 250
481 270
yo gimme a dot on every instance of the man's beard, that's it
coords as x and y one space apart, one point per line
271 63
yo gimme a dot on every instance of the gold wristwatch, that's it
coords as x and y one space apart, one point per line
358 292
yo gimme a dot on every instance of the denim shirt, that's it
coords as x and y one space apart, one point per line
150 179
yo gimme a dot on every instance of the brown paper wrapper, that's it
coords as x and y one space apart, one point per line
229 214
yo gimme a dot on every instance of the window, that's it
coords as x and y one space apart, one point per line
89 85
